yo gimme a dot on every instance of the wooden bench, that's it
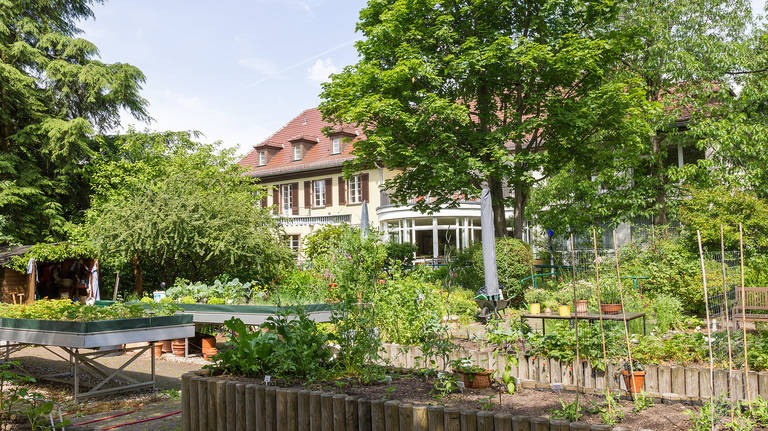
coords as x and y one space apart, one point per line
756 304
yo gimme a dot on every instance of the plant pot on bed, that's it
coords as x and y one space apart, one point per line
610 308
474 377
634 377
157 349
178 346
580 306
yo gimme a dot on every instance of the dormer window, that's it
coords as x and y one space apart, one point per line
297 152
262 158
336 145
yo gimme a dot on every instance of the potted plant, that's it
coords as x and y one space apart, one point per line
609 297
534 297
581 301
473 376
634 376
550 304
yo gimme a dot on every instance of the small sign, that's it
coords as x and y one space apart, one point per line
267 379
460 384
388 379
157 295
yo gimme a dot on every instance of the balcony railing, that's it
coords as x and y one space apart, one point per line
314 220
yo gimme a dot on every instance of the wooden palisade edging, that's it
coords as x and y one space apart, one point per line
673 383
218 404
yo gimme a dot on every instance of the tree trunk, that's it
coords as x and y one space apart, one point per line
521 200
139 290
497 203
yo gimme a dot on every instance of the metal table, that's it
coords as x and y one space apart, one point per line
589 317
79 342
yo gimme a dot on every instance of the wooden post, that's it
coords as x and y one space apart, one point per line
117 285
420 419
468 420
202 406
521 423
364 415
260 400
291 409
502 422
377 415
230 419
726 309
350 409
485 421
709 330
435 415
303 410
453 420
339 412
250 408
391 416
315 411
186 393
270 408
326 403
139 290
744 311
405 413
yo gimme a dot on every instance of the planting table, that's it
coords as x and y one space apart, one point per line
590 317
81 343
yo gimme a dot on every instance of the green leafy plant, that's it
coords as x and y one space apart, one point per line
611 412
64 309
568 411
642 402
444 384
487 403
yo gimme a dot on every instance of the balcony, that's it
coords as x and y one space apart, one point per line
315 220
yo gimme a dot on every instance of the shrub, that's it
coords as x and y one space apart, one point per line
667 311
513 262
287 347
400 254
404 307
323 240
298 286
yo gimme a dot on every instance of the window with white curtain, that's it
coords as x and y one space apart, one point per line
319 193
355 187
285 195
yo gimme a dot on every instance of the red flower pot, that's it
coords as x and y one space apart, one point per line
634 383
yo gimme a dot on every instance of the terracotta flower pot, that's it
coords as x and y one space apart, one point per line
158 349
167 346
634 383
209 346
178 346
479 380
581 306
611 308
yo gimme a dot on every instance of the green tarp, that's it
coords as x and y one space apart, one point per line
95 326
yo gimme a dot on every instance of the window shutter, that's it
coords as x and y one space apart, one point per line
329 192
364 181
307 194
294 198
276 199
342 191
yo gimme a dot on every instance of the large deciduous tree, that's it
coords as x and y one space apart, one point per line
167 203
55 97
456 94
685 53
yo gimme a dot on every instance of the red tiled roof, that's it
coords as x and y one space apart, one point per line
307 126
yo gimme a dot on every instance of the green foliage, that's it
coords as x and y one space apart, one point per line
65 309
513 262
56 97
559 343
641 402
440 92
228 291
708 209
321 241
18 401
611 413
298 286
667 311
400 254
50 253
287 345
405 306
684 348
702 420
568 411
183 209
673 269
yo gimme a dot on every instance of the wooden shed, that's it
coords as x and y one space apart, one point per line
64 278
15 286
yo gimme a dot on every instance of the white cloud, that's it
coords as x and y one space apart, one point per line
321 69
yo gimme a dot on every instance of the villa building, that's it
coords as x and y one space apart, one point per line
302 166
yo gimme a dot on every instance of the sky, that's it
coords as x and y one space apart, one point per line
236 71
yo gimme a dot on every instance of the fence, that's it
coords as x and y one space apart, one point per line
216 404
674 383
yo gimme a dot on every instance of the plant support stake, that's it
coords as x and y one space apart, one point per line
709 332
744 310
576 323
727 317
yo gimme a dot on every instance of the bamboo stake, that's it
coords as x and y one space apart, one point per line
727 316
576 319
599 306
624 315
744 310
709 332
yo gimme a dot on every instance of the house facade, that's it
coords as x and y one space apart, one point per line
302 167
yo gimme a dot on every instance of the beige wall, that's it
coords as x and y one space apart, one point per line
375 183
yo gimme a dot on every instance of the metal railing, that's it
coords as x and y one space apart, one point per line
315 220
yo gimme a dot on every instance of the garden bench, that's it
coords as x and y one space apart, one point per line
756 308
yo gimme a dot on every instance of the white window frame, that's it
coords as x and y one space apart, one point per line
285 199
336 145
293 242
318 193
355 194
262 158
297 152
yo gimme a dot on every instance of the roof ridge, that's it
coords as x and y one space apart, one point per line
285 125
